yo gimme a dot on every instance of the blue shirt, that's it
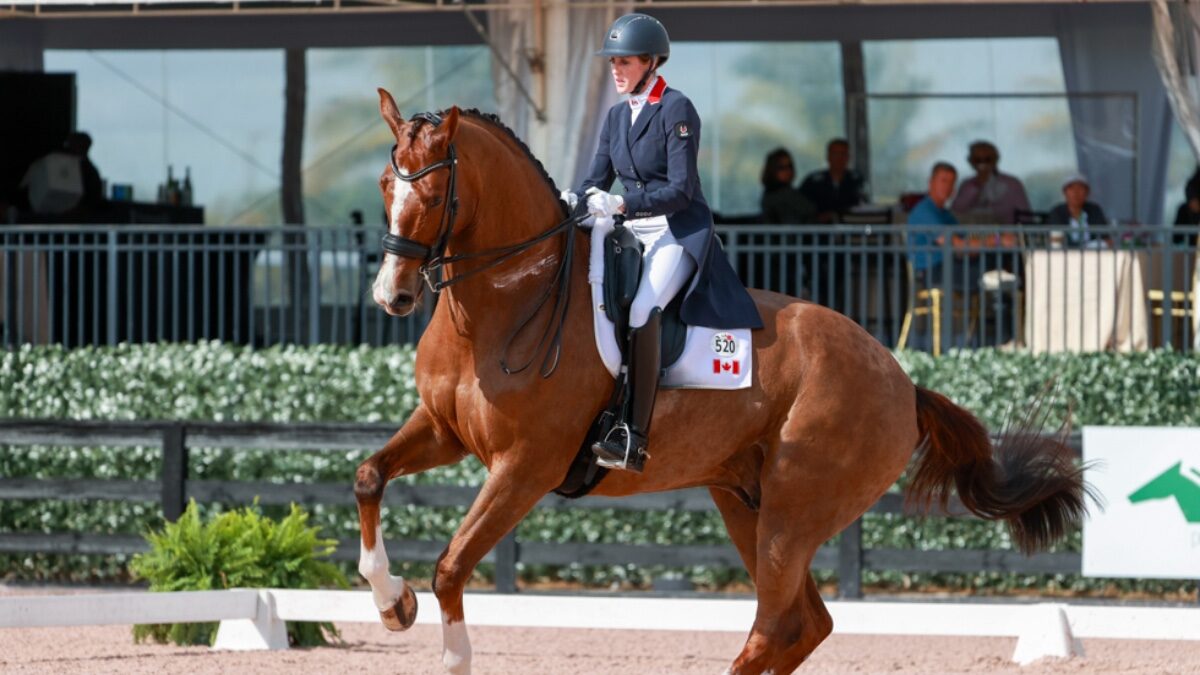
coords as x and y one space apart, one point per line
926 213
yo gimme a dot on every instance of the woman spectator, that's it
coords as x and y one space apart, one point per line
1189 211
783 204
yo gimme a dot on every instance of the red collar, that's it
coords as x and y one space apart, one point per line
657 92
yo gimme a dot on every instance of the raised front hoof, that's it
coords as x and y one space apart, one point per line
403 614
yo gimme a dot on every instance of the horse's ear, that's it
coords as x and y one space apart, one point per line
390 113
444 133
451 123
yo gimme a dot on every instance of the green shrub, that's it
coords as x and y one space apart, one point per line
236 549
333 383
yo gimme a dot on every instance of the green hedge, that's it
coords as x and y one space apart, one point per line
328 383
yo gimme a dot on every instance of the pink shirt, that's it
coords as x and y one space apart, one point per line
1001 196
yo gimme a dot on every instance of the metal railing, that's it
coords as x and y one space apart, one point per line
1042 288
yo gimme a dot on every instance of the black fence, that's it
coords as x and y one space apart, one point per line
1036 287
849 558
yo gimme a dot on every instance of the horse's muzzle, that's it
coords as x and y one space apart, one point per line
402 304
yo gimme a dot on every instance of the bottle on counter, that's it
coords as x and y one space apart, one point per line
187 186
172 187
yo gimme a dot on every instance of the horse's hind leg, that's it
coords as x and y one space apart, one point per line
741 523
414 448
816 625
798 512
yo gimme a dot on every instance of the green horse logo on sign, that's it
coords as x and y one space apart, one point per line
1173 483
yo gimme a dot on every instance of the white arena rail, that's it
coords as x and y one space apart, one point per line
254 619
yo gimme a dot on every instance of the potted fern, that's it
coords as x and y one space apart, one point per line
237 549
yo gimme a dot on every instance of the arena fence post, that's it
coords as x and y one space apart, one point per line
174 471
850 561
506 563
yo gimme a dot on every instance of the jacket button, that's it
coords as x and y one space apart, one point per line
639 185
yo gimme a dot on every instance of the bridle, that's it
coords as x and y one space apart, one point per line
434 258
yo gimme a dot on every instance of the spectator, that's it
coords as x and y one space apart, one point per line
927 264
782 203
837 189
77 198
78 143
989 194
1077 212
1189 211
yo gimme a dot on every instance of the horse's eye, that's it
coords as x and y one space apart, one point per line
436 201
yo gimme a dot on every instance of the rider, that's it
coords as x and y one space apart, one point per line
650 141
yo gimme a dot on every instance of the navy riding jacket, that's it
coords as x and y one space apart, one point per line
656 162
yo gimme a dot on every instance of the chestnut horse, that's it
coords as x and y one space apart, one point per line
829 424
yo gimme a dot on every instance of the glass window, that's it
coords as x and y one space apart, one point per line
753 98
149 110
913 130
1180 166
346 142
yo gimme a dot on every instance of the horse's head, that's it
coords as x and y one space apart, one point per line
416 202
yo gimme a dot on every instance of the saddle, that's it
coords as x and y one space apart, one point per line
693 357
622 274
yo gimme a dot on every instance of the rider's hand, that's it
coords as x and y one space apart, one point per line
601 203
570 198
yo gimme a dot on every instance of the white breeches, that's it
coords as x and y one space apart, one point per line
666 268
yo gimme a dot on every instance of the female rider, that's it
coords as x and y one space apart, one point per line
650 141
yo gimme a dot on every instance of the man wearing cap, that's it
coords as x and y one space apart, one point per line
1077 212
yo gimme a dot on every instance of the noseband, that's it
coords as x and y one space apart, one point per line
434 258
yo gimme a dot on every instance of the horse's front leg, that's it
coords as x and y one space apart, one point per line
507 496
417 446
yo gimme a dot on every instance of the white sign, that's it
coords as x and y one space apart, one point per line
1149 523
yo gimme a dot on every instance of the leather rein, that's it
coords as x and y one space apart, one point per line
434 259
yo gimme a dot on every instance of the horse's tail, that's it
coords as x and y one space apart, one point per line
1027 480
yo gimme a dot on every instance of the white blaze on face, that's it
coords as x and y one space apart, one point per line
373 565
456 647
384 289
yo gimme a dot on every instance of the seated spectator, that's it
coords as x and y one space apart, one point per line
1077 212
782 203
926 263
1189 211
837 189
989 195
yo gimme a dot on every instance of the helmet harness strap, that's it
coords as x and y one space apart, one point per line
646 77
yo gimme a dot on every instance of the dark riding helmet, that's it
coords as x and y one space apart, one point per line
637 34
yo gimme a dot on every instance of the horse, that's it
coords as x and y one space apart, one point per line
828 425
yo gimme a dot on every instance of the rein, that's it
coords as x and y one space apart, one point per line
434 259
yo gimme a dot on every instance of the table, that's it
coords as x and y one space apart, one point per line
1085 300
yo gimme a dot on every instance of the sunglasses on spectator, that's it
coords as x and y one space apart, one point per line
982 160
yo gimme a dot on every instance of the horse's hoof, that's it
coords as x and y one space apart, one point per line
401 615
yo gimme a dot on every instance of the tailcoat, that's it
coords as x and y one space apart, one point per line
655 159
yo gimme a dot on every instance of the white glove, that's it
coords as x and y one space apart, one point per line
570 198
601 203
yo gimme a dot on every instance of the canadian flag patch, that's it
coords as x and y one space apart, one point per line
731 367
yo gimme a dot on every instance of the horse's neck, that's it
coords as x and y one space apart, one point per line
497 299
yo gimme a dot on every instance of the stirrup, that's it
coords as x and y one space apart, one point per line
612 454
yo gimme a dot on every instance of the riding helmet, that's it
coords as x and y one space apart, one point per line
637 34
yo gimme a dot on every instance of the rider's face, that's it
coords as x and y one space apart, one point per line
627 71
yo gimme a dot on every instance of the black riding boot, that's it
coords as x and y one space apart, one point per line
625 445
